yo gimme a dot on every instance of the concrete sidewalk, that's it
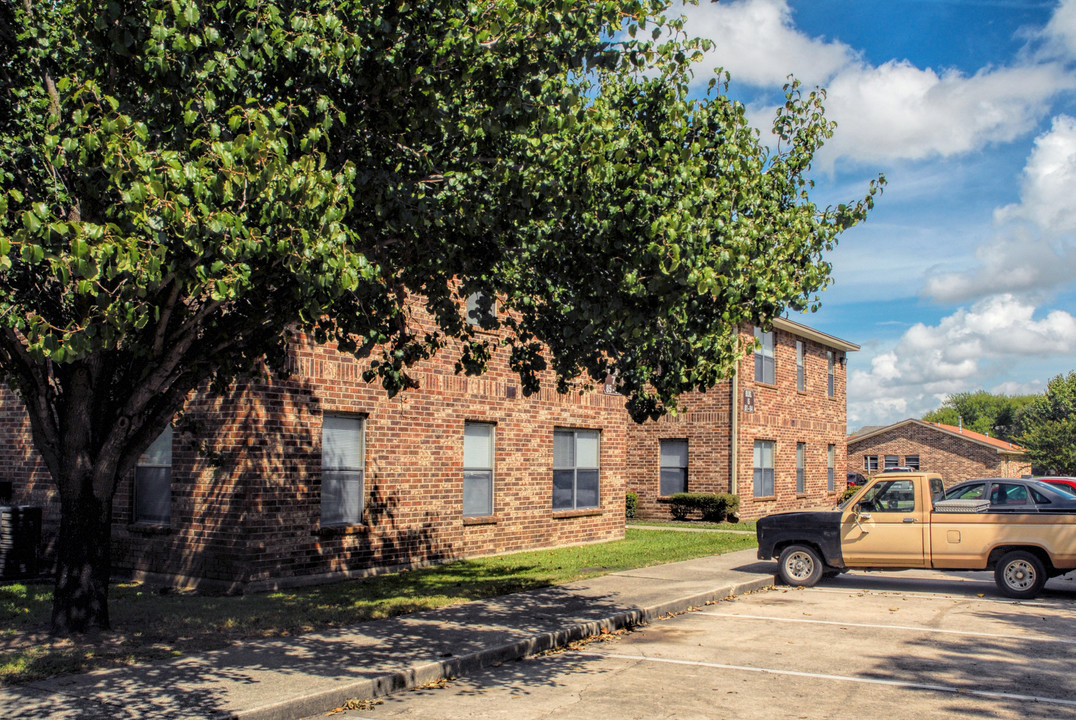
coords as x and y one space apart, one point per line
291 678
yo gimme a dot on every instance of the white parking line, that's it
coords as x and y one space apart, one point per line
927 595
846 678
918 628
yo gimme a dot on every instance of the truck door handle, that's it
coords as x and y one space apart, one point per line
909 520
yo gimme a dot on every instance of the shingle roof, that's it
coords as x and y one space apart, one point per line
1000 445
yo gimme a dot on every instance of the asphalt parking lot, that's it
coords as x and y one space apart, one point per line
866 645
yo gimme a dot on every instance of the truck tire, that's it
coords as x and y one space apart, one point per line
1020 574
799 565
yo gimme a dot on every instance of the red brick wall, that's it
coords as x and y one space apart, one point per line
781 414
954 458
246 475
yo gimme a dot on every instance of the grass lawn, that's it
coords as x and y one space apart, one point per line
695 524
149 625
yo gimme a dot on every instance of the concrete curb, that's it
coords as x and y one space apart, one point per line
421 674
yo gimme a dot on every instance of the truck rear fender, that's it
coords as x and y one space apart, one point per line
997 553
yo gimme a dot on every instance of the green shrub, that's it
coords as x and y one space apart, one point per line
714 507
848 493
631 502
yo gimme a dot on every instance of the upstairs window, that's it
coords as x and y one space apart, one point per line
673 467
765 362
831 380
801 367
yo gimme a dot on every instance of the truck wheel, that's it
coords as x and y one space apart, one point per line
1020 574
799 565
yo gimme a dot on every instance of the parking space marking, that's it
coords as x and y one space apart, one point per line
919 628
1058 605
845 678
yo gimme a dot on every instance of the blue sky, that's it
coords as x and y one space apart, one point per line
964 276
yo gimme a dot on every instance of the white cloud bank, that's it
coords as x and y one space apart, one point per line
892 111
1033 249
964 351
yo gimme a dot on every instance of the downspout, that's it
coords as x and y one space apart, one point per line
734 445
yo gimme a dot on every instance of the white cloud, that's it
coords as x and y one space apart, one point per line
1033 248
1060 32
892 111
757 43
964 351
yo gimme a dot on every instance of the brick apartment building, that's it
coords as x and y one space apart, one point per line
322 477
955 453
774 434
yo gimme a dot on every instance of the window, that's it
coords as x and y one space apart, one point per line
801 468
966 492
673 467
341 470
870 462
831 382
889 496
481 311
153 482
763 465
801 370
831 461
911 462
477 469
575 469
892 461
765 371
1008 494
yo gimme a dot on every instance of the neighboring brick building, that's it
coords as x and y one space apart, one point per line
774 435
955 453
322 477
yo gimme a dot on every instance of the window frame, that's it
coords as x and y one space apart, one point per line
763 477
801 366
152 483
766 357
343 516
575 468
486 474
831 465
831 374
911 462
870 463
890 462
801 468
682 470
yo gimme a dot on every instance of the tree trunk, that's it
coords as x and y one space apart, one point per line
84 562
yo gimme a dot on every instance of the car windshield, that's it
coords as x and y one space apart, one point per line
1059 488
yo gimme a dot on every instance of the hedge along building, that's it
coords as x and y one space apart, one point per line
774 434
321 477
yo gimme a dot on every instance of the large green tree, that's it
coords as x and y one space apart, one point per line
982 412
184 184
1047 428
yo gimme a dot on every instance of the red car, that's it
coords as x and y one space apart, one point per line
1059 480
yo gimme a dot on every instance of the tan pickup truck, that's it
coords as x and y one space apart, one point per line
897 521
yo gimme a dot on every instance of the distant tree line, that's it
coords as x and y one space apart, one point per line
1043 424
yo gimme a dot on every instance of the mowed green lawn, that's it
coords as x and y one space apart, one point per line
151 624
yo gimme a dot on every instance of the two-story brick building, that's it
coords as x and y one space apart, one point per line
773 434
322 477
